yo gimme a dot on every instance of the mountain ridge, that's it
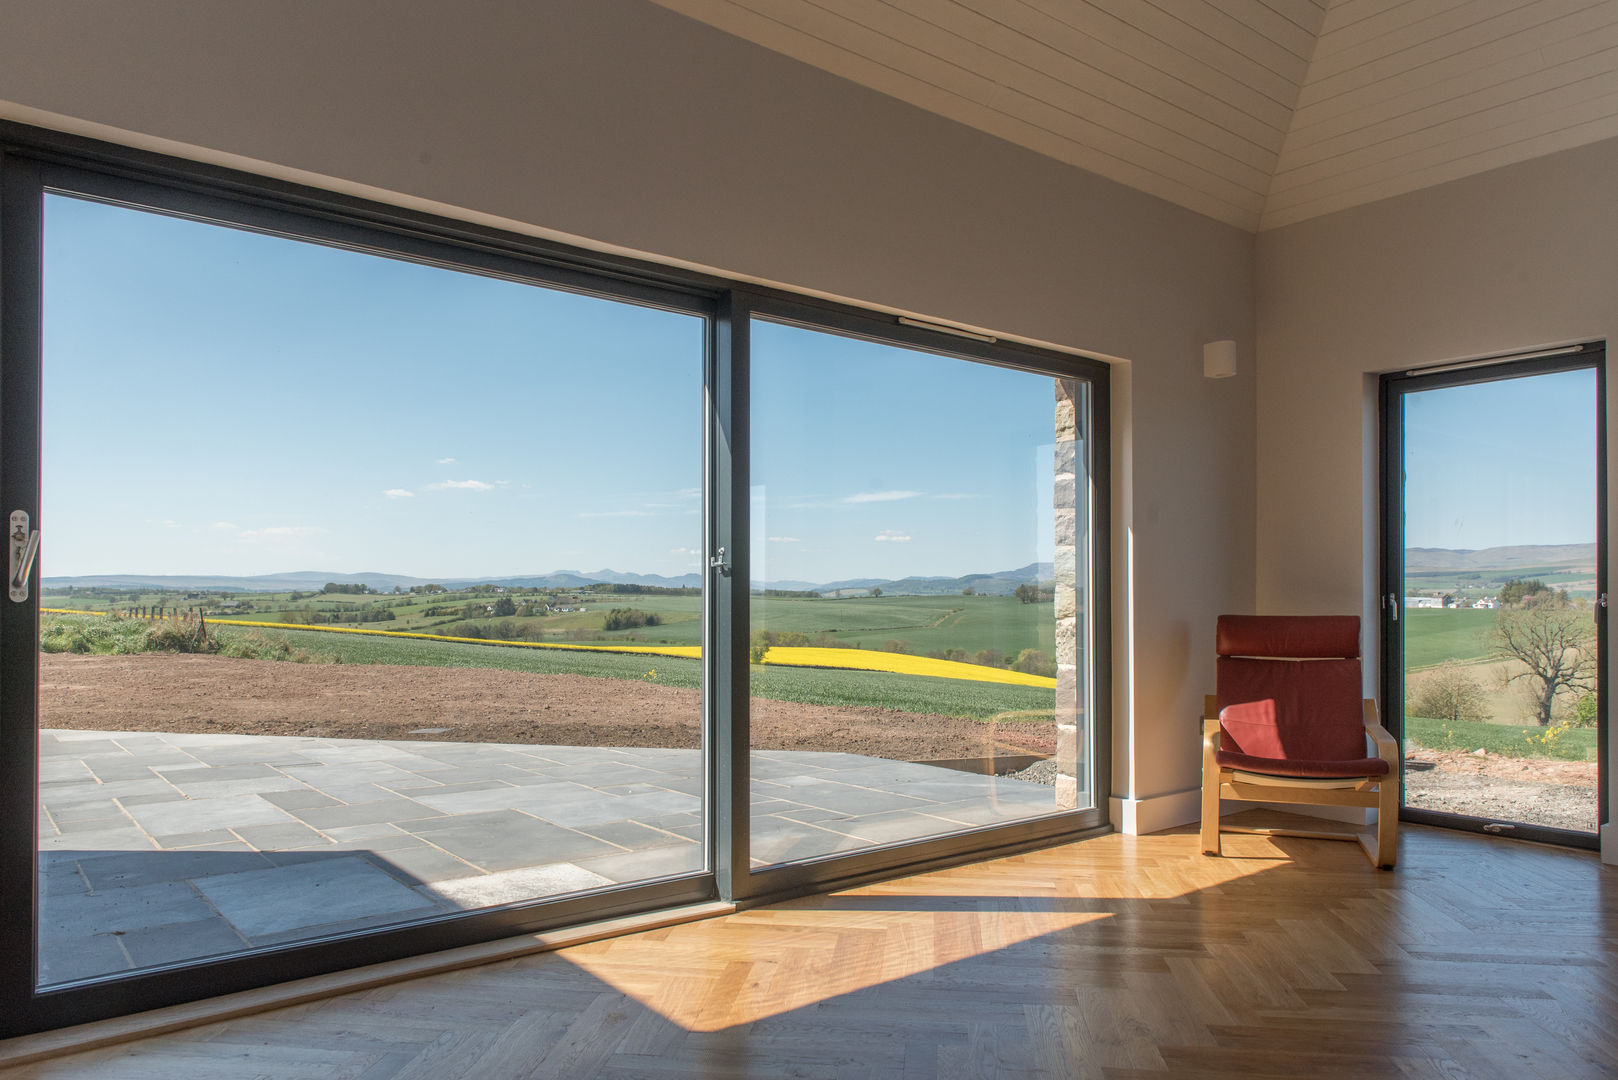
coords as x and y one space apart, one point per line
998 583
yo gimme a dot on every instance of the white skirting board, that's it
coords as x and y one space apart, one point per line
1157 812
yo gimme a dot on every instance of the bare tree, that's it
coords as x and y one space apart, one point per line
1555 639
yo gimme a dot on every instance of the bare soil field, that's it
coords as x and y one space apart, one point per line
190 693
1539 791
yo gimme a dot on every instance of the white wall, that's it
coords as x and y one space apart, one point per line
626 125
1522 257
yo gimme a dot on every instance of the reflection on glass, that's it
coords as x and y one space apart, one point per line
371 592
920 560
1500 580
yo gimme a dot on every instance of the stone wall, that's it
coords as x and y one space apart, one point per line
1072 790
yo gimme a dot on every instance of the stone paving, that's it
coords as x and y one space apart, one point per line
156 848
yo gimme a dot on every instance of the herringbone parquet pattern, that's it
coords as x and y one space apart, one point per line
1123 958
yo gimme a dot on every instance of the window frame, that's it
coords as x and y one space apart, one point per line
34 161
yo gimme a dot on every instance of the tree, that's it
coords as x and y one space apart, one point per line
505 606
1516 590
1554 639
1448 692
876 590
1024 592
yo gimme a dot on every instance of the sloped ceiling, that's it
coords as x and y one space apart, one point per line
1259 113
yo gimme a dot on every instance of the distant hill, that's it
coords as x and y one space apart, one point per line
286 582
1002 583
1570 556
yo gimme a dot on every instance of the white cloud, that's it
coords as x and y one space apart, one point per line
279 534
688 552
222 525
446 461
785 540
460 485
892 535
399 493
880 496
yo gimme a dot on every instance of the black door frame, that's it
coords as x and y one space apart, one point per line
1393 387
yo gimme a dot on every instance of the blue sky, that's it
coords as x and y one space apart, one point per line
1502 463
218 401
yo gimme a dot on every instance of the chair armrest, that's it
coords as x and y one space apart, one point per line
1386 747
1210 714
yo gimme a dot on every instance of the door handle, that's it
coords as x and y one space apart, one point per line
24 546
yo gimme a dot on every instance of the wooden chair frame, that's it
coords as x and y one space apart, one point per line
1380 793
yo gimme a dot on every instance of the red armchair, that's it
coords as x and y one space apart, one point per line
1289 726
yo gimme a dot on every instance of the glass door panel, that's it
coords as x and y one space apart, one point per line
920 595
370 592
1500 566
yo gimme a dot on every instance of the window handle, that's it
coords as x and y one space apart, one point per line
717 563
24 546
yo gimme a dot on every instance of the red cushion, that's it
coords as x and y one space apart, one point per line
1317 704
1229 759
1292 636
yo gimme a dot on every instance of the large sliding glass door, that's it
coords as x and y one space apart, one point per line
332 632
921 594
382 584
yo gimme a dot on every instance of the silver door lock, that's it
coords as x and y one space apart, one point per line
24 546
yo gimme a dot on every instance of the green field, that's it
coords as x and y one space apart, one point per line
1570 744
814 686
925 624
1434 635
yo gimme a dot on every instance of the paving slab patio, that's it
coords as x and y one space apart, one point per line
159 848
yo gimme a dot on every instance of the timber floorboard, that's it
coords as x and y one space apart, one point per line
1117 958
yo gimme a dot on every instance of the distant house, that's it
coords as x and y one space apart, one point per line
1423 602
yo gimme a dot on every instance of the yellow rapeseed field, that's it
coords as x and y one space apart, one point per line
779 656
899 664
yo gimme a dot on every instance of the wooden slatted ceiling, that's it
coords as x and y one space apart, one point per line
1402 96
1256 112
1186 99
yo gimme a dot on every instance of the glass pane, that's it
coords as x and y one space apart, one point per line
330 641
920 611
1500 579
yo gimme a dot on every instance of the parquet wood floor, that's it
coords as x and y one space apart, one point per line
1120 958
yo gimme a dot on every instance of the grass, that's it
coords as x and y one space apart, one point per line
92 635
811 686
1564 744
907 693
407 652
1433 635
924 623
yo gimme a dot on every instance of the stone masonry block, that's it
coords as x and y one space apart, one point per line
1067 642
1067 748
1067 428
1067 565
1066 527
1067 601
1067 456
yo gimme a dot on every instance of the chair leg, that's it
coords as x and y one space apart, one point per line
1210 812
1387 822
